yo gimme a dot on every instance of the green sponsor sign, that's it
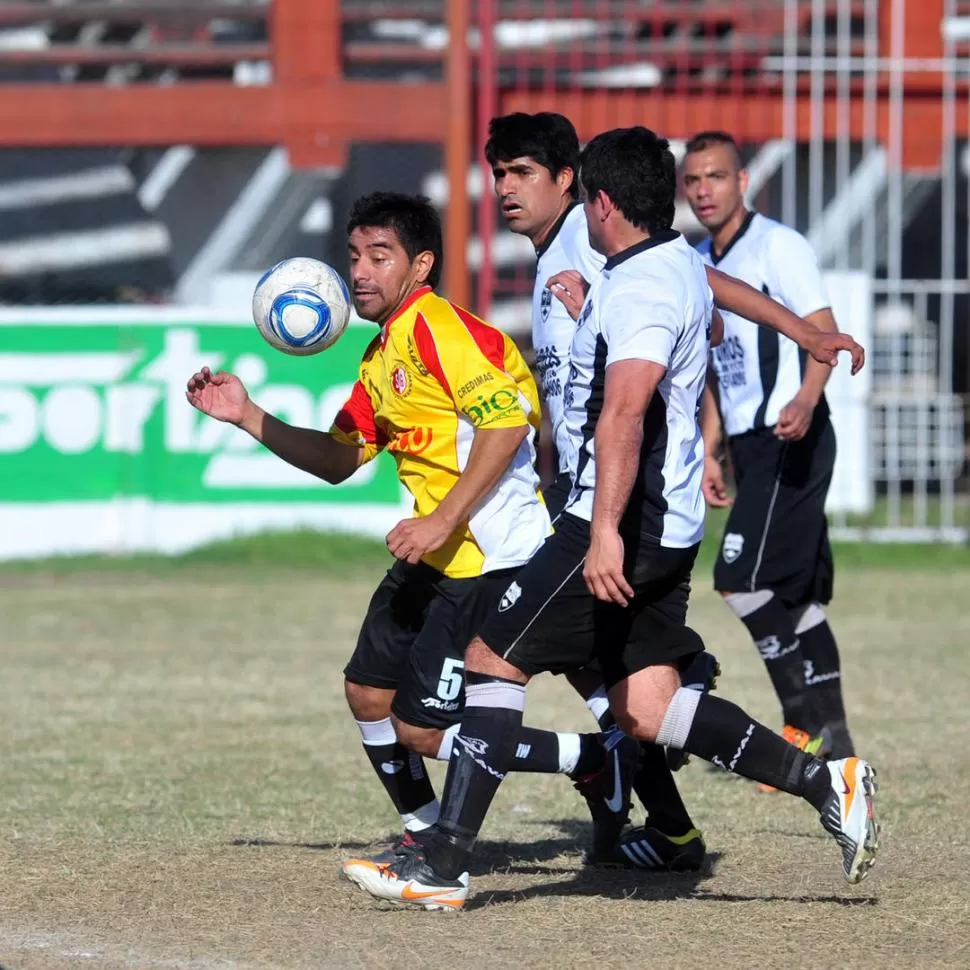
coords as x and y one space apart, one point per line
94 410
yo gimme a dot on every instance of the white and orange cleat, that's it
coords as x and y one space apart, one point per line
849 815
408 879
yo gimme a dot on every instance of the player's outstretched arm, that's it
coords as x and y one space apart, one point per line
795 418
224 397
570 288
824 345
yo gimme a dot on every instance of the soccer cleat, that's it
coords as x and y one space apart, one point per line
804 742
409 880
849 815
649 848
607 792
701 674
390 853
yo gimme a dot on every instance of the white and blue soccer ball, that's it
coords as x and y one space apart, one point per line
301 306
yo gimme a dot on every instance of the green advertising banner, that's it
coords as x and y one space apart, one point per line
93 413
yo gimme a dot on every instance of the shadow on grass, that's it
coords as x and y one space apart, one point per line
525 858
544 857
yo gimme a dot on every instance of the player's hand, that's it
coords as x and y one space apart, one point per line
603 569
570 289
411 539
794 421
824 346
712 484
222 395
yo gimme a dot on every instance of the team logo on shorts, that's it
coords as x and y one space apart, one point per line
545 304
399 381
510 597
733 545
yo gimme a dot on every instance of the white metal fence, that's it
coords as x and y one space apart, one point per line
868 208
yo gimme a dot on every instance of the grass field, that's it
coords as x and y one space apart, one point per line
179 780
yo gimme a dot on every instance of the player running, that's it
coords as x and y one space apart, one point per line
534 160
452 399
775 569
613 581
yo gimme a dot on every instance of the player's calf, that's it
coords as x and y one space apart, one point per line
843 792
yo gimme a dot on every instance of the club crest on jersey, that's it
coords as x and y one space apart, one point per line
399 381
510 597
733 545
545 304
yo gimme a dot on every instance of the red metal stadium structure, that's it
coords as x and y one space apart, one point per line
331 84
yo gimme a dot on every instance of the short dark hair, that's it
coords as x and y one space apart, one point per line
413 218
548 138
636 169
708 139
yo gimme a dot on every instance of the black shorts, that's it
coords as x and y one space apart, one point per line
547 620
557 494
413 639
776 535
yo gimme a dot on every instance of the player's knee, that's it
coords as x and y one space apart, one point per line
480 659
640 723
422 740
368 703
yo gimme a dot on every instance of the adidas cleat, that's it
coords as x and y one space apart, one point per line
409 880
649 848
700 674
849 815
804 742
607 792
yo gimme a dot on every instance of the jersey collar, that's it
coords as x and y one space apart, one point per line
742 229
553 232
665 236
406 305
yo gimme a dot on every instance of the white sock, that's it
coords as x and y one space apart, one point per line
679 718
377 732
447 743
421 819
568 752
598 703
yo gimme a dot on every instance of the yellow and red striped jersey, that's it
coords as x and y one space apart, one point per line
432 377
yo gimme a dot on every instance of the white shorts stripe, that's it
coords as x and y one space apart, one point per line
549 599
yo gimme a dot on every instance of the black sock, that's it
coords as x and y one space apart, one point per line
402 774
773 632
823 678
483 754
655 787
728 737
538 751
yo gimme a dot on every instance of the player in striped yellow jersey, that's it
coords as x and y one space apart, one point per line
453 400
434 378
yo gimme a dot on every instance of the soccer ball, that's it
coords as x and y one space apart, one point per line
301 306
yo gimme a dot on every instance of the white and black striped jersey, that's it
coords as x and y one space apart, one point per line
566 247
759 371
650 302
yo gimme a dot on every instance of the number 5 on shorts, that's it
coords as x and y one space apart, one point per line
449 687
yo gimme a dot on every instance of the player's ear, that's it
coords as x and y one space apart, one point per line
565 179
423 264
605 205
743 181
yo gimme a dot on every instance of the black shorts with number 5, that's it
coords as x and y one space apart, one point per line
413 639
